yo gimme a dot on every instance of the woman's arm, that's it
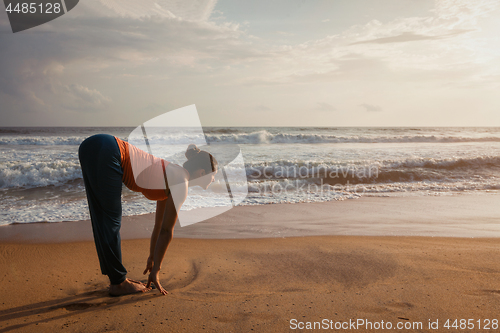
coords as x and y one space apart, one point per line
164 231
160 211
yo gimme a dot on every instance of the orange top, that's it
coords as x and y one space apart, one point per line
149 171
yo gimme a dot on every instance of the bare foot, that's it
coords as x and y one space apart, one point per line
127 287
135 281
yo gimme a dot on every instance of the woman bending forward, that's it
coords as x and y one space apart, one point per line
106 163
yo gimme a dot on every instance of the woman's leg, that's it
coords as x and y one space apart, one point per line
102 174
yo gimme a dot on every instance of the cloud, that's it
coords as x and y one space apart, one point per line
85 98
39 67
321 106
109 49
450 47
463 11
190 10
409 37
371 108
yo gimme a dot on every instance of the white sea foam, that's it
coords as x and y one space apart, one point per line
265 137
257 137
38 174
41 140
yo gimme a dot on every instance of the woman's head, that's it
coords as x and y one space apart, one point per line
199 162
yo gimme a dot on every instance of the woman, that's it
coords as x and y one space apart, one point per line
106 163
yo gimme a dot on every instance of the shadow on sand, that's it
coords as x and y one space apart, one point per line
74 305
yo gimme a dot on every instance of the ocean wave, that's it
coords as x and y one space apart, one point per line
313 187
368 172
29 174
448 163
225 130
42 140
38 174
265 137
348 175
232 136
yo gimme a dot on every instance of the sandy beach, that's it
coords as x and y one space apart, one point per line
271 284
334 166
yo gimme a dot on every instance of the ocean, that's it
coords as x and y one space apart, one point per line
41 180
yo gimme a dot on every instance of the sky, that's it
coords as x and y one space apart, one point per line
257 63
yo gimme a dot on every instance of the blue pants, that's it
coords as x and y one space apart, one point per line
100 160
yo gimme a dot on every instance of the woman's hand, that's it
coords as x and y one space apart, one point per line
149 265
153 278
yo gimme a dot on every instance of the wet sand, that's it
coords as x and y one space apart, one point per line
266 284
443 216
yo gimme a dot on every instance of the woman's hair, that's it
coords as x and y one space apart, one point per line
199 159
